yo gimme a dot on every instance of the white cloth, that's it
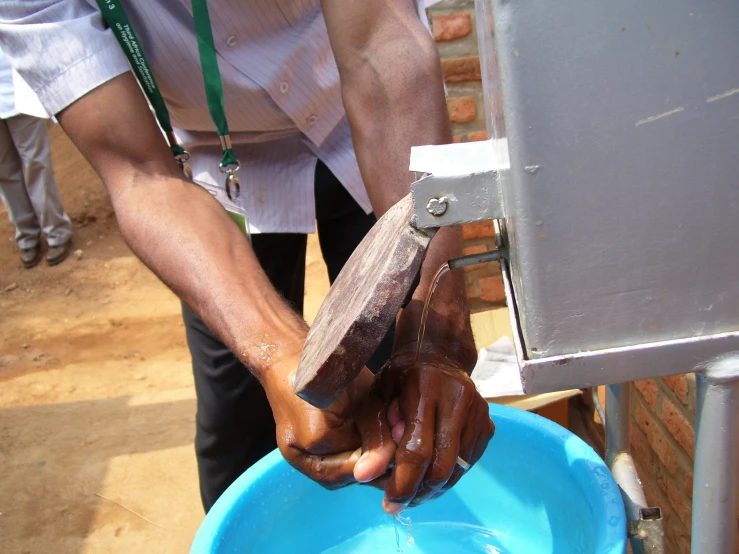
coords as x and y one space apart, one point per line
496 372
26 101
16 97
281 88
7 92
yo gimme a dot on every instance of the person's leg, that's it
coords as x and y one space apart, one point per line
15 197
234 423
31 139
342 224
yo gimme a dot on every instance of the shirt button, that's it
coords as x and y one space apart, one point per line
284 87
312 119
231 41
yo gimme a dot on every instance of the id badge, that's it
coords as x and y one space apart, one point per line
235 209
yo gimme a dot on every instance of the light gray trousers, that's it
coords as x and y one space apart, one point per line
27 184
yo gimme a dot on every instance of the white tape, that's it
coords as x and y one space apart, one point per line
463 158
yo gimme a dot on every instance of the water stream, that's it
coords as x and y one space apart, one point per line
444 268
407 524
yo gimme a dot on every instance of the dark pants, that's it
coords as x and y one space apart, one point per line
235 427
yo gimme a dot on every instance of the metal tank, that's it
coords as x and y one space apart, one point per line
618 205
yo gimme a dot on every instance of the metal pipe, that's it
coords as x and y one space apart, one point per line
474 259
716 469
625 475
618 457
598 406
618 406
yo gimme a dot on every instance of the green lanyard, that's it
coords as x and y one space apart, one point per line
117 20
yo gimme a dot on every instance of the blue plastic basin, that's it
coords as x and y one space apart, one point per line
538 489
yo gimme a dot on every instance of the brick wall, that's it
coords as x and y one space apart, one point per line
662 435
453 25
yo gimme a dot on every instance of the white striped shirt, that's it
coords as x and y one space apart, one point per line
7 92
280 82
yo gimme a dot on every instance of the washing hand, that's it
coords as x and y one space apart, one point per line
436 415
347 442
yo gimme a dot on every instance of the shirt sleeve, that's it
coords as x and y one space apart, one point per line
61 48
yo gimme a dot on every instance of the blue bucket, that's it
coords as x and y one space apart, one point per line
538 489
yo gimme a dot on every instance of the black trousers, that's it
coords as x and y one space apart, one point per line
234 423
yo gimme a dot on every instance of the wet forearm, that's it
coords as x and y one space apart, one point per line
448 331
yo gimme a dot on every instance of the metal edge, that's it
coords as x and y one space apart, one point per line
627 363
612 365
513 318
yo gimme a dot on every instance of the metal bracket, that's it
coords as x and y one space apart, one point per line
649 530
442 201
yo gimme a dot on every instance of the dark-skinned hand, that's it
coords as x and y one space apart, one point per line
346 442
435 414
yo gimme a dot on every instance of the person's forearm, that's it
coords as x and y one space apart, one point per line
186 237
178 229
395 100
448 331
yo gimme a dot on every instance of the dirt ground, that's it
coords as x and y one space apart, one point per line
97 403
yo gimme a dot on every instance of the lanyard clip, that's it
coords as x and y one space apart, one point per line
180 154
184 166
233 187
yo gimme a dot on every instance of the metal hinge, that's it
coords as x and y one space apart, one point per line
441 201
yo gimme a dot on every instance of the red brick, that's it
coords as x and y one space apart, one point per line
472 291
656 437
673 529
478 230
640 448
683 544
643 419
476 136
664 451
679 503
689 484
462 109
491 289
648 390
655 497
679 386
678 426
459 70
661 477
451 27
476 249
456 138
669 545
470 268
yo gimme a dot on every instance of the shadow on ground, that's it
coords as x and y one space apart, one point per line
56 459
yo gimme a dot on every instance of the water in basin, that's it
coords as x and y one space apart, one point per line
537 490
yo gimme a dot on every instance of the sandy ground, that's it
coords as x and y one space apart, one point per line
97 402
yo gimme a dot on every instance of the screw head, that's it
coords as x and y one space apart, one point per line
437 206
